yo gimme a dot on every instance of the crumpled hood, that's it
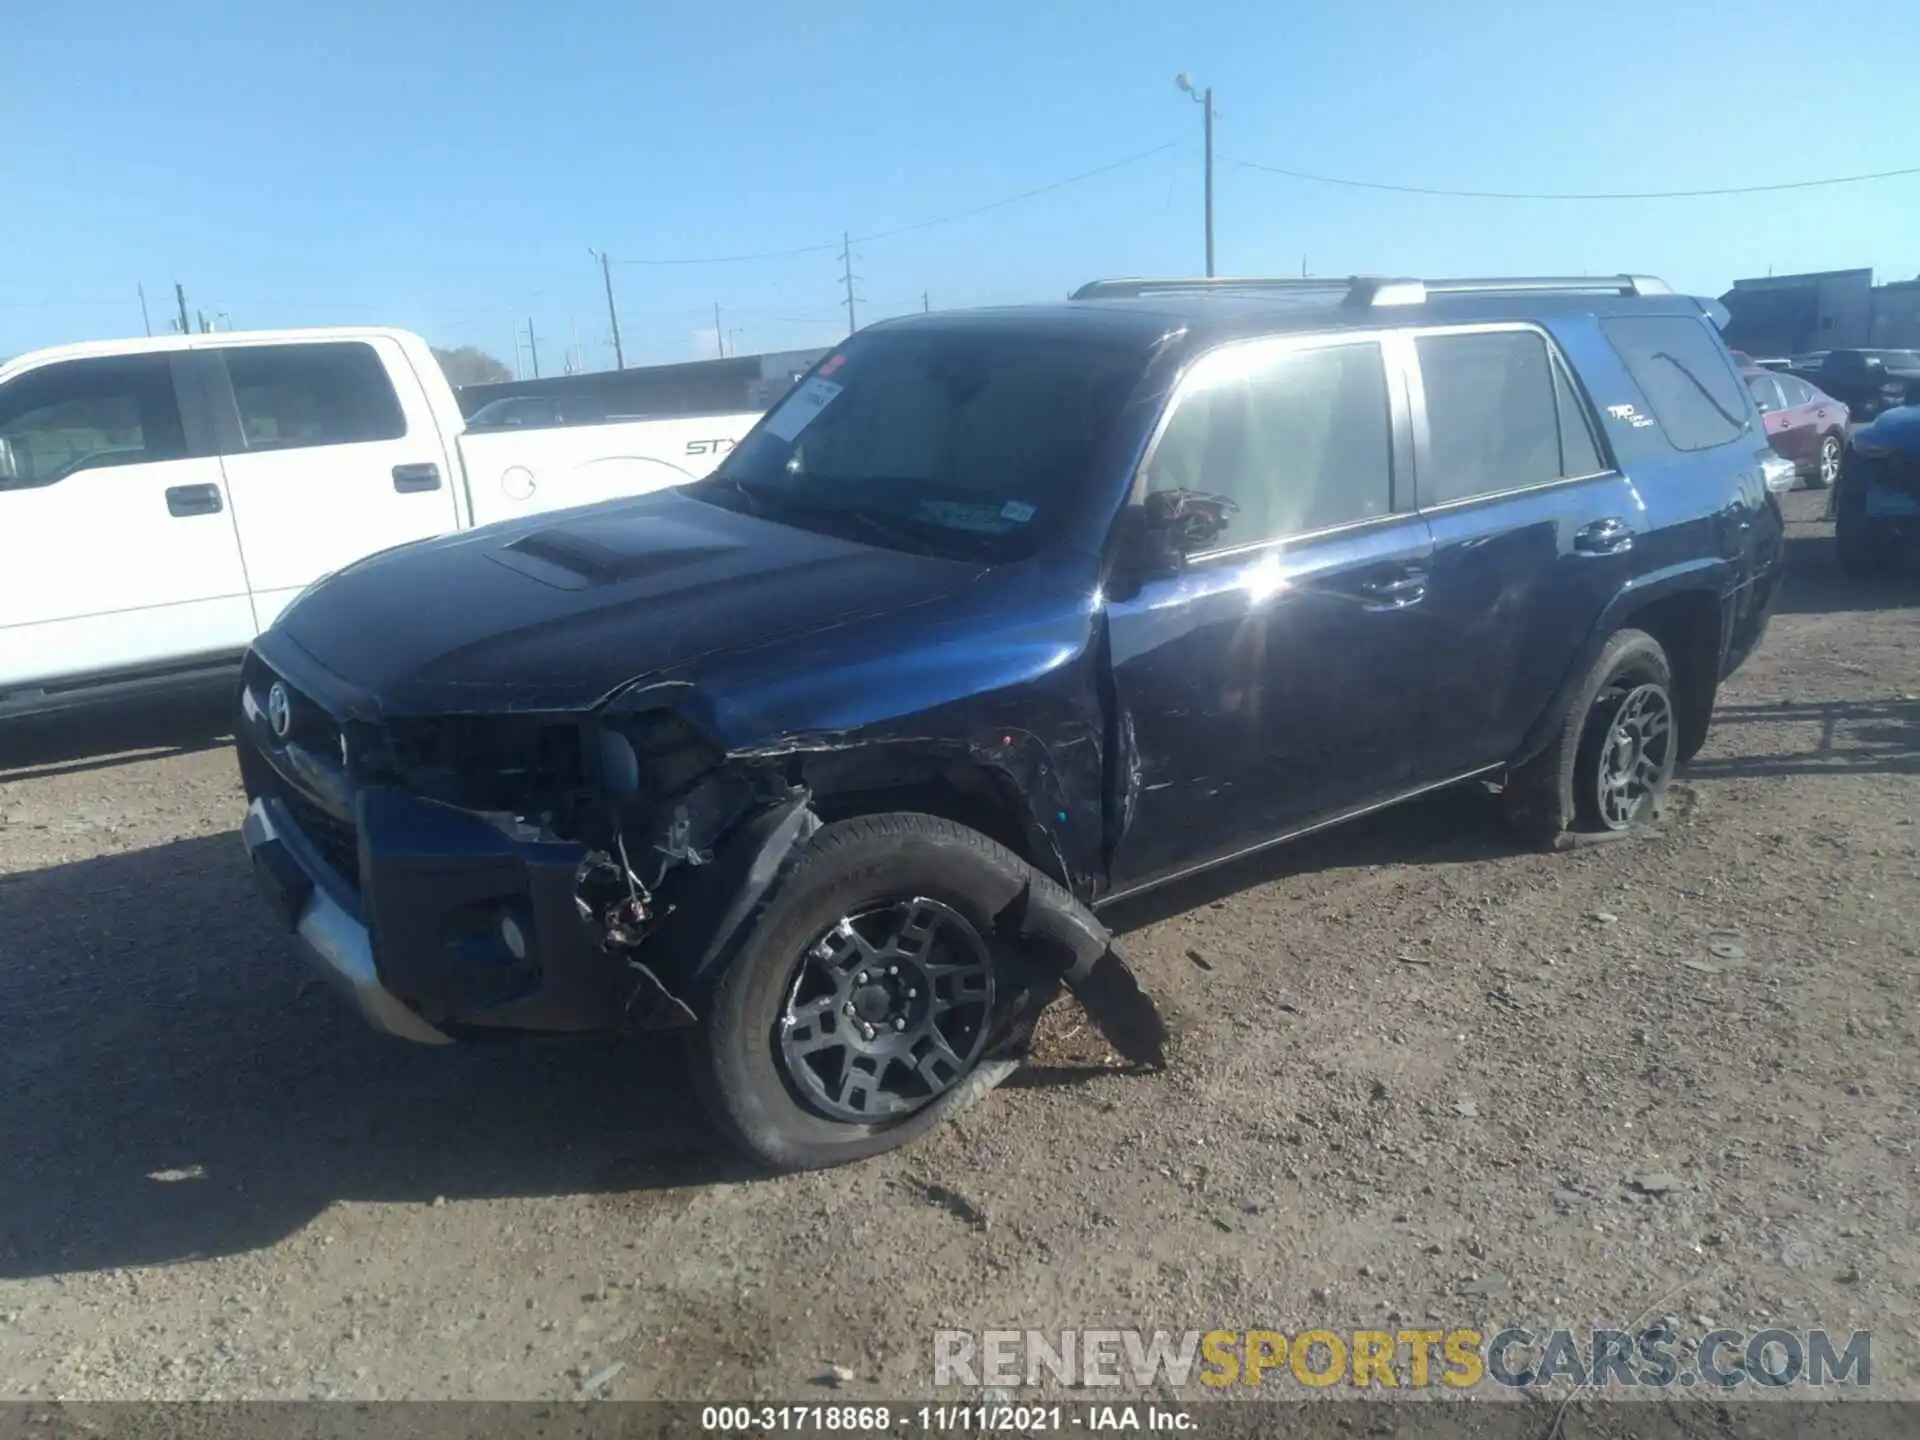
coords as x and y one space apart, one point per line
555 611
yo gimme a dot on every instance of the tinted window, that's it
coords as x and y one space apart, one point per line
1685 375
962 440
1765 392
1299 439
1579 452
297 395
1495 413
82 414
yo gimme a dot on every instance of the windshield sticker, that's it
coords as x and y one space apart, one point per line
801 407
831 364
1017 511
964 515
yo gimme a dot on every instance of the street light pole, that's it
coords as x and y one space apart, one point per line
613 315
1203 98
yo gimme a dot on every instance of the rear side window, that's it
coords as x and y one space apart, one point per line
292 396
1685 375
1299 440
1766 392
86 414
1500 416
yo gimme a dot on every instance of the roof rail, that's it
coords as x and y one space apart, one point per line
1370 290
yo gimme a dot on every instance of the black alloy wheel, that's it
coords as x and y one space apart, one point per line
886 1011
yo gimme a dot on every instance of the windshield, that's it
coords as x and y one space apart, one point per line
954 441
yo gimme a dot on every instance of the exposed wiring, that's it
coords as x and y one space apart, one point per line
1567 194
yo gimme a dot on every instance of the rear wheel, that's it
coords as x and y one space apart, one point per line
1828 469
1612 758
858 1012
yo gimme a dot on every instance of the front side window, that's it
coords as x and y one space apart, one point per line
291 396
1685 375
954 440
85 414
1499 416
1298 439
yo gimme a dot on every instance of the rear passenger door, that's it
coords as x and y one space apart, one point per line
1532 529
1267 683
330 463
117 548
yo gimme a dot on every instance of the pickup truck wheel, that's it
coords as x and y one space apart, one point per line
1611 760
850 1019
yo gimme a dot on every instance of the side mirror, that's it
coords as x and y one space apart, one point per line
9 466
1187 521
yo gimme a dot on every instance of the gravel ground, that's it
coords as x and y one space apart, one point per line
1415 1074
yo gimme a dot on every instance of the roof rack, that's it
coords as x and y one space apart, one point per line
1371 290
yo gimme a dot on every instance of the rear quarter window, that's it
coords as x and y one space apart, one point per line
1686 376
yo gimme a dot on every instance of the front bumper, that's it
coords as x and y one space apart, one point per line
332 938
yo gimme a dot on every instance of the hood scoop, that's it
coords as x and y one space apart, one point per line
570 560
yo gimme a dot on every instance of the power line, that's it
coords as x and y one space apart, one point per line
919 225
1573 195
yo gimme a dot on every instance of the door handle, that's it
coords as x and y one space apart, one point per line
1406 588
1604 537
410 478
185 500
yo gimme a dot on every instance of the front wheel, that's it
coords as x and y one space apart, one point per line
1612 758
858 1011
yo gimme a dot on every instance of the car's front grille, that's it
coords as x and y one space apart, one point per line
336 842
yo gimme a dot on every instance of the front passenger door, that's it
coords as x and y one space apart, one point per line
1264 682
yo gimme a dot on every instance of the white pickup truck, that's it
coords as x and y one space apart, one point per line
162 500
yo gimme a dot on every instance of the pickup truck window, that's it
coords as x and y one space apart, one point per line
1494 416
292 396
84 414
1686 376
1299 439
949 440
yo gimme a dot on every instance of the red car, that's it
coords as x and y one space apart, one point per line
1805 425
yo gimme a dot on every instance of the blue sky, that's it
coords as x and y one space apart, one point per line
445 167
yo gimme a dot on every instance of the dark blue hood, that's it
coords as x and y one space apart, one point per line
1892 432
554 612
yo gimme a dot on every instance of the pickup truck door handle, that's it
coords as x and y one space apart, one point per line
409 478
1603 537
1394 591
185 500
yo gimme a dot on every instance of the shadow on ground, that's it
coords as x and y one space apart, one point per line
1856 737
123 734
1816 585
173 1085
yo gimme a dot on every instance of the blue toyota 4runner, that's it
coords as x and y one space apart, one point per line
831 759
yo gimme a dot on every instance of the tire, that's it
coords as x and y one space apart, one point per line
1562 788
1853 547
1826 468
759 1094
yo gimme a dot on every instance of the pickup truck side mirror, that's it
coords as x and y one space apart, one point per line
1156 537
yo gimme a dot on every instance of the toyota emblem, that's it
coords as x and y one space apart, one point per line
279 710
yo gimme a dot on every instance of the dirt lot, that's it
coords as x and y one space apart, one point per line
1411 1063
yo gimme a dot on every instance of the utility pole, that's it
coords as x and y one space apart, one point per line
846 271
576 362
180 294
146 324
1205 98
719 335
613 315
204 327
533 348
926 302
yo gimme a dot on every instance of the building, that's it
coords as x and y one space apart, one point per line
1822 310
